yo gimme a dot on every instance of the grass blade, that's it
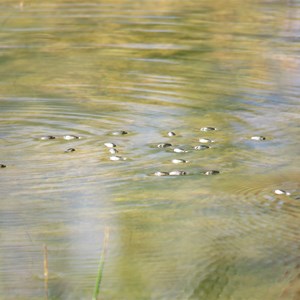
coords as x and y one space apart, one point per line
101 263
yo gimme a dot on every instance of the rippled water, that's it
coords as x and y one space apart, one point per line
150 67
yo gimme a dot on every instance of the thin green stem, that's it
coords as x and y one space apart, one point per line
101 263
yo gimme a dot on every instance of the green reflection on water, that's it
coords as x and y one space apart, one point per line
149 67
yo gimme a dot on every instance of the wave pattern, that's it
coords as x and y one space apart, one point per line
150 67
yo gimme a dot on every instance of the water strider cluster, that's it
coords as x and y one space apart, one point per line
168 146
205 144
182 150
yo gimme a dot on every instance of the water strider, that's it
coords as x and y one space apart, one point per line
179 150
258 138
159 173
113 151
208 129
201 147
282 192
47 137
179 161
177 173
71 137
171 133
121 132
164 145
211 172
115 157
110 145
204 140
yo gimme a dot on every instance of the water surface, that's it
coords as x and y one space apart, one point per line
150 67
